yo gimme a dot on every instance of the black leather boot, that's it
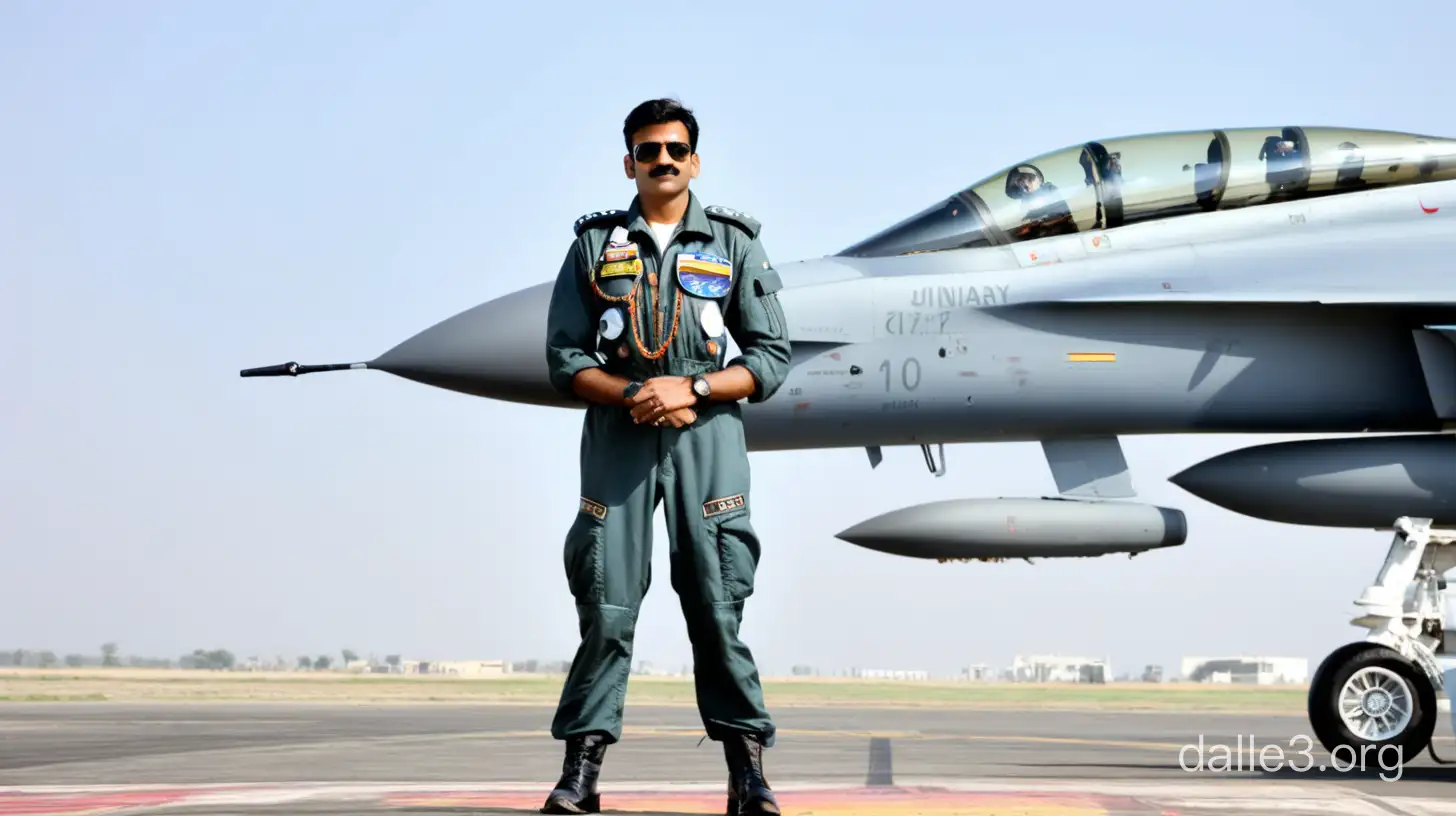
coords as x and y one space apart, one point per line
748 790
576 792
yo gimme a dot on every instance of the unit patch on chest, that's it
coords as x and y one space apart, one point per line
618 268
719 506
620 260
704 275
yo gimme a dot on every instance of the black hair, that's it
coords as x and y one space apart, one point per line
660 112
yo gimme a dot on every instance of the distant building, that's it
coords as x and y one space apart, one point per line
1244 669
460 668
1060 669
534 666
890 674
980 671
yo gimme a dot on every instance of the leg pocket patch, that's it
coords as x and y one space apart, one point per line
717 507
731 530
594 509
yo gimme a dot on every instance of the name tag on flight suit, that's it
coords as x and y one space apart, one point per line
620 260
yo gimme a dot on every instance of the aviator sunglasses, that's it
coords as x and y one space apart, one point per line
649 151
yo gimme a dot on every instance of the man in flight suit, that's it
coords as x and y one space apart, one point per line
636 329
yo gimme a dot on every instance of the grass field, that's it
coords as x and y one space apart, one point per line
163 685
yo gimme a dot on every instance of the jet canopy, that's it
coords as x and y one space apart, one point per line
1107 184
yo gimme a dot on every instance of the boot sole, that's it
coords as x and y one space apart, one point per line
756 807
591 804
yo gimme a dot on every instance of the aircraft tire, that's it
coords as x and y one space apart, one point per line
1393 702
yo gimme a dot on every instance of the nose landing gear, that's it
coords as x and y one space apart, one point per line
1382 690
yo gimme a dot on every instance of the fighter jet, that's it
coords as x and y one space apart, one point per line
1289 280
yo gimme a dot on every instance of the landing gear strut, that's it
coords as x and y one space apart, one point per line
1382 690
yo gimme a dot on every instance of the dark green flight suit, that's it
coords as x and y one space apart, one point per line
700 471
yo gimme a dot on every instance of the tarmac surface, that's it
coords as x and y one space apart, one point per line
257 758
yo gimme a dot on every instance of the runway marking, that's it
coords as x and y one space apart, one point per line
689 732
929 797
819 803
15 804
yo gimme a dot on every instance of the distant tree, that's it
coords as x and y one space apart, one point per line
349 656
108 655
322 662
75 661
213 659
47 659
18 657
392 660
304 662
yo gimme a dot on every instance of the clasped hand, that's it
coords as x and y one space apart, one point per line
664 400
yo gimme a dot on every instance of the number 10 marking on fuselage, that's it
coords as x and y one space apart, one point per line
907 379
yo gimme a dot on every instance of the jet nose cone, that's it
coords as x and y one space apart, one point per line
1241 481
1213 479
1194 479
495 350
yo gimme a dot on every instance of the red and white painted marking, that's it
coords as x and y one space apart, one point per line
922 798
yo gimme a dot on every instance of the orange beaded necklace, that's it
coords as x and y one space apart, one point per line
631 299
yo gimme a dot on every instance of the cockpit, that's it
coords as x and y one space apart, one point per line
1107 184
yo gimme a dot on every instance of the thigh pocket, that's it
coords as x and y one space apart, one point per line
729 527
582 557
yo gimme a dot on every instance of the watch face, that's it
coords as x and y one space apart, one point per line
700 387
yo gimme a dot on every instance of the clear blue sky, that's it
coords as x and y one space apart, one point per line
187 189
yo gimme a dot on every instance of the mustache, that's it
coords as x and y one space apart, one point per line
663 170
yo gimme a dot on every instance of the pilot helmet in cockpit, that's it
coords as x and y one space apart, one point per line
1023 180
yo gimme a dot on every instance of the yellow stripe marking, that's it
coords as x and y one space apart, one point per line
1091 357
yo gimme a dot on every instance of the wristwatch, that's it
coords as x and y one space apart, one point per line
631 390
702 388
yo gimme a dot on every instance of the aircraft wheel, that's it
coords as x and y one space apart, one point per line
1366 697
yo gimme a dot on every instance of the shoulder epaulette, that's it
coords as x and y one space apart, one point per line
743 221
612 218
